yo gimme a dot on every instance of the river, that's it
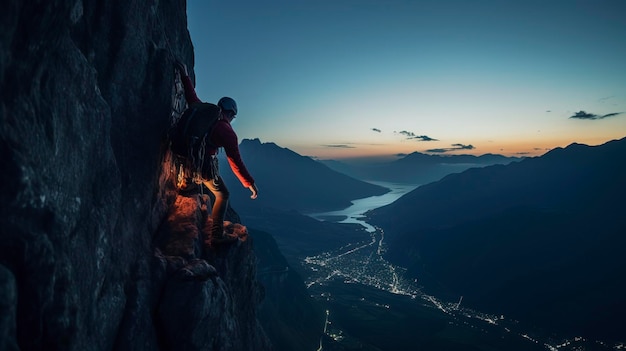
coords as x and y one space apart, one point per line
362 262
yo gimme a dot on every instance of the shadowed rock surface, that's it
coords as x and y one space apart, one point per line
290 317
207 295
87 94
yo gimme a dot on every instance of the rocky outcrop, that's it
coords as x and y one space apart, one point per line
206 295
290 317
87 94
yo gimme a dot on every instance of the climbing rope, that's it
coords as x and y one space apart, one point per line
200 161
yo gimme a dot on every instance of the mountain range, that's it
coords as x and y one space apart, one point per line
536 239
289 181
540 240
416 168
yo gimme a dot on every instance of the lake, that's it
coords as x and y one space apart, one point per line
355 213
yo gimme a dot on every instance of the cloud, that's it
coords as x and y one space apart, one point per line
437 151
593 116
401 154
463 147
584 115
339 146
376 130
453 148
412 136
606 98
423 138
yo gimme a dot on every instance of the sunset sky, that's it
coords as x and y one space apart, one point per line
353 78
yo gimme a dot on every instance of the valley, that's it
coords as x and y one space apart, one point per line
368 299
485 259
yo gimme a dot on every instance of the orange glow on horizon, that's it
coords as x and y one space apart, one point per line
527 148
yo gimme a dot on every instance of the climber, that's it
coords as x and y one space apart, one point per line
221 135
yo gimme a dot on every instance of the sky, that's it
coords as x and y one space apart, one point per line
342 79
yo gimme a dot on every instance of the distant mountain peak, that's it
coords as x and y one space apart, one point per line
251 141
256 142
292 181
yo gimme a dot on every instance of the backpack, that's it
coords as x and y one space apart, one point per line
191 134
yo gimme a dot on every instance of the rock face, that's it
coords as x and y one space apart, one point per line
87 93
206 297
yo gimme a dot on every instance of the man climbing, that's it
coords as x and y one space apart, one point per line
221 135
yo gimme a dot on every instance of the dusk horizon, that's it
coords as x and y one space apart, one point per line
358 79
388 157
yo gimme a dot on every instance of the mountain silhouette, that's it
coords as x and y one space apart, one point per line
289 181
417 168
540 239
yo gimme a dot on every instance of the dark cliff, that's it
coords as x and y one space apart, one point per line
91 255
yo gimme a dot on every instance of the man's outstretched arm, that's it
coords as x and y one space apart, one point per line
190 91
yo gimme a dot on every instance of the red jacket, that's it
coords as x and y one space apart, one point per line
222 135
